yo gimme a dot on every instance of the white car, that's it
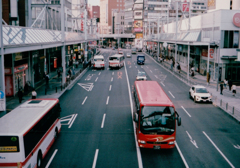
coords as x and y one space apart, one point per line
199 94
141 76
128 54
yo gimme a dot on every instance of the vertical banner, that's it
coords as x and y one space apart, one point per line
82 21
55 63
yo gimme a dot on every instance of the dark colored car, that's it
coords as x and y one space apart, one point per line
140 59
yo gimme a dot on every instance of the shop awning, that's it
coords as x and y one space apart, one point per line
192 36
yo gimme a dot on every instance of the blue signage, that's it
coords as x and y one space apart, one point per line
1 94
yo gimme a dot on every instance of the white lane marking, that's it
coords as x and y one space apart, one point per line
171 94
179 151
87 86
96 79
186 111
112 73
110 87
218 149
151 71
191 140
95 158
102 125
49 162
147 66
107 100
72 121
140 165
236 146
99 73
156 76
162 83
112 79
84 100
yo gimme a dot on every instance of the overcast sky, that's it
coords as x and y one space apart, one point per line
94 2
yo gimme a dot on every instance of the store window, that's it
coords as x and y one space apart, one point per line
231 39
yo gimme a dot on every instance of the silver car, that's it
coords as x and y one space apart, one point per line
141 76
128 55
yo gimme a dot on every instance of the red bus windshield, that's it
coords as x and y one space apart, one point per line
157 120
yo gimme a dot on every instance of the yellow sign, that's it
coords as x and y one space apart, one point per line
8 149
139 35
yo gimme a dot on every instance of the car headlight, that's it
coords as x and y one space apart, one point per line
142 142
198 97
171 143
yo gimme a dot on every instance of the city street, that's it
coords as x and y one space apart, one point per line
98 129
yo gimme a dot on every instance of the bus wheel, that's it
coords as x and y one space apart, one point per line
39 159
56 133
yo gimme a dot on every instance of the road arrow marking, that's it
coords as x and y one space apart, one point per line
236 146
191 140
87 86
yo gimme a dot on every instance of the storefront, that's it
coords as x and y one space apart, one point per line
16 79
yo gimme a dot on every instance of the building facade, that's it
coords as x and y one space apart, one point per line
106 9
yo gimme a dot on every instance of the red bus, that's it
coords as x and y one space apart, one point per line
155 116
28 132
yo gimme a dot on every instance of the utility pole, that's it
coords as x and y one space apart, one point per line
85 33
176 34
63 41
2 75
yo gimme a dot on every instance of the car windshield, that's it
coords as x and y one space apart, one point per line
99 59
128 54
141 58
201 90
157 120
134 49
113 58
141 74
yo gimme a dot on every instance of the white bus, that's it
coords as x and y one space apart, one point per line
28 132
116 61
98 62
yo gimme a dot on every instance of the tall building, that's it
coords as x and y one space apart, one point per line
128 16
106 12
118 22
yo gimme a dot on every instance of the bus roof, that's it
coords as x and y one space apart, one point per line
98 56
22 118
151 94
116 55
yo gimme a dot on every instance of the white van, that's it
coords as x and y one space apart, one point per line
98 62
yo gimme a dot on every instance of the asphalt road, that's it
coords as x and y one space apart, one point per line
98 130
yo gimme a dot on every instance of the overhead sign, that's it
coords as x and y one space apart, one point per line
138 14
138 23
185 7
236 19
138 6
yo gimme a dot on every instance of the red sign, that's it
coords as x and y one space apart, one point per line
205 53
236 19
55 63
185 7
82 22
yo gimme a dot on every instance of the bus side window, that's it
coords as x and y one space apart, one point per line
136 101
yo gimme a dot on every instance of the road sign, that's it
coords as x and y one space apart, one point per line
1 94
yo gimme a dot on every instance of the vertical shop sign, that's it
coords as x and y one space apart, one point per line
2 101
55 62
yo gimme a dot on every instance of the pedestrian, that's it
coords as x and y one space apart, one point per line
178 67
58 73
20 95
70 72
34 94
230 84
234 88
221 88
225 83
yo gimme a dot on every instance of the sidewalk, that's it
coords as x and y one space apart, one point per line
226 102
55 89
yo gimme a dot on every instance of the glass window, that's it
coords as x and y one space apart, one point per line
231 39
157 120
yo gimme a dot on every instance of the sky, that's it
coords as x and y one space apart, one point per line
94 2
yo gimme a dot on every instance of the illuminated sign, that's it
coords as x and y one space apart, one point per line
8 149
